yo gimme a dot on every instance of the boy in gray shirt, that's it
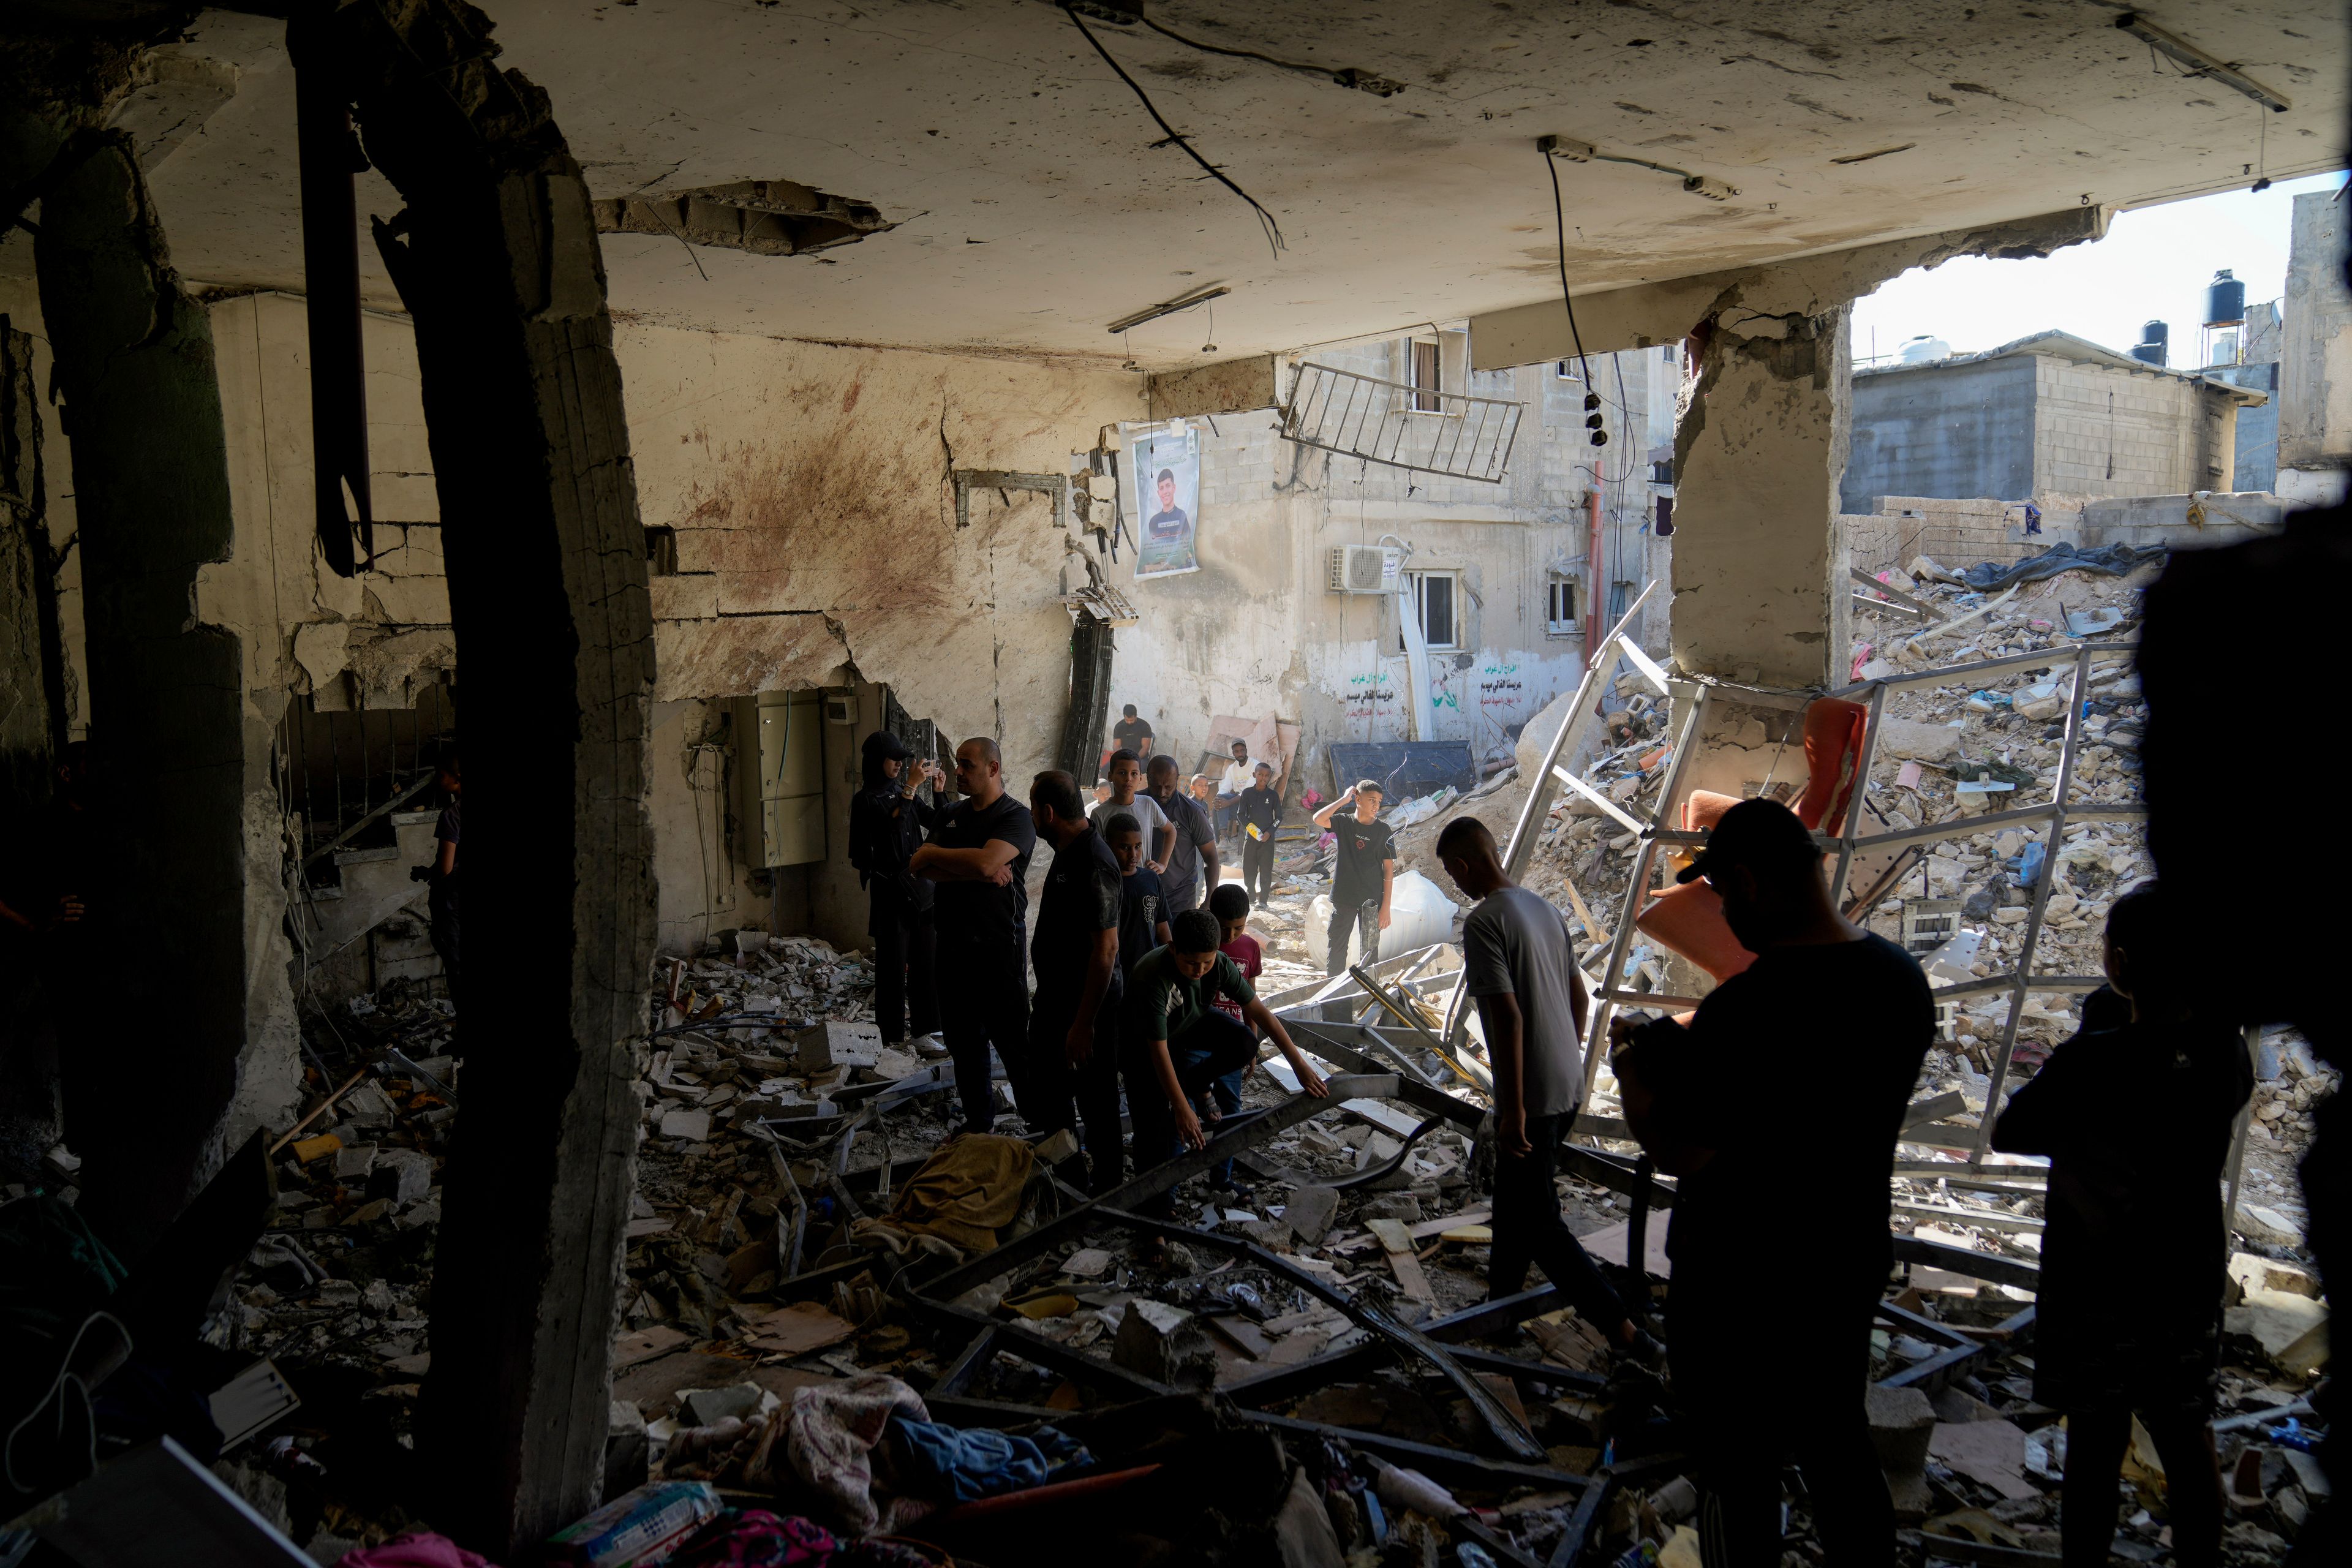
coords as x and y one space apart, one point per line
1520 969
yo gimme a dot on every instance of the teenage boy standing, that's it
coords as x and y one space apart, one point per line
1363 882
1127 797
1259 812
1073 1020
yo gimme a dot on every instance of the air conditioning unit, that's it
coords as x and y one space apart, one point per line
1365 568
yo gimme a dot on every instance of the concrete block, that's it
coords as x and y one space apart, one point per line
2291 1329
1902 1423
835 1044
1310 1212
2254 1273
402 1175
1164 1344
694 1126
354 1161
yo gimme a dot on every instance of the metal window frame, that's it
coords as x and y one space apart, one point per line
1358 415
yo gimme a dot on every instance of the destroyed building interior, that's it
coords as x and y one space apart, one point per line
740 420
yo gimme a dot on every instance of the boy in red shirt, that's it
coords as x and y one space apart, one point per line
1230 903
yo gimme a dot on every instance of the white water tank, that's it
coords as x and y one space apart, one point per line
1922 350
1419 916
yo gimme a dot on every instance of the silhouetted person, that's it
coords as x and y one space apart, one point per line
2137 1121
979 856
886 827
1823 1033
1074 1018
1193 867
2276 939
1520 966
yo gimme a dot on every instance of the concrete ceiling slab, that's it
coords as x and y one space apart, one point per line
1033 206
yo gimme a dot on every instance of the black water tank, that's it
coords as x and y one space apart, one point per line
2155 339
2156 332
2225 300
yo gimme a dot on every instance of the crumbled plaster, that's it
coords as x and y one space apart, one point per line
1758 457
809 487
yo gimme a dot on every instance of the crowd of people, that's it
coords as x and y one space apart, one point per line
1144 969
1135 982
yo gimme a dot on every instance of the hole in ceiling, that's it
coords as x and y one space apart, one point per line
766 217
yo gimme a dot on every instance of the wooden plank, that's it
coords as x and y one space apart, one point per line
1396 1241
1591 926
1427 1227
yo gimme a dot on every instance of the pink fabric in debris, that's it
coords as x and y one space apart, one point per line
420 1549
830 1438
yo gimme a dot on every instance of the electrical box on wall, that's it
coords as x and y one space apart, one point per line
1365 568
840 705
780 778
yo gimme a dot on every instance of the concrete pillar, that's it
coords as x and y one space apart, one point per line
496 256
1759 570
169 765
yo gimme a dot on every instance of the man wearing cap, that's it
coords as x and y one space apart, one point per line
886 827
1363 879
1823 1035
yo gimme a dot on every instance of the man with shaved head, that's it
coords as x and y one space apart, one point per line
979 856
1519 967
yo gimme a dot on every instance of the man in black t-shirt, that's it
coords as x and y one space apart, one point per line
886 819
1130 734
1073 1020
979 856
1712 1103
1193 867
1258 814
1363 880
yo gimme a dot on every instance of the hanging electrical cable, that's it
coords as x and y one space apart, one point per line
1599 437
1176 138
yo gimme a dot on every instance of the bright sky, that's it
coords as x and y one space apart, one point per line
2154 265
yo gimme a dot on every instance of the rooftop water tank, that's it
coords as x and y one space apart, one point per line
2225 300
2155 342
1922 350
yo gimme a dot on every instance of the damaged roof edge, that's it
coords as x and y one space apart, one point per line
1642 314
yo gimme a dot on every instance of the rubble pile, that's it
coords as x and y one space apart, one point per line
1970 1457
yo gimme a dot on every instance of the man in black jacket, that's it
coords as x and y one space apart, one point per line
886 826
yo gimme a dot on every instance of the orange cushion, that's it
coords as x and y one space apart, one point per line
1705 808
1688 920
1832 746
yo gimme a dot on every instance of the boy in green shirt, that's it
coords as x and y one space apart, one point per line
1174 1038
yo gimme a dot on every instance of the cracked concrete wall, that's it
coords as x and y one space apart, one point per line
817 545
1759 568
2314 396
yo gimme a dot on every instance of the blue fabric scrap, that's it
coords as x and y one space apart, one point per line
966 1464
